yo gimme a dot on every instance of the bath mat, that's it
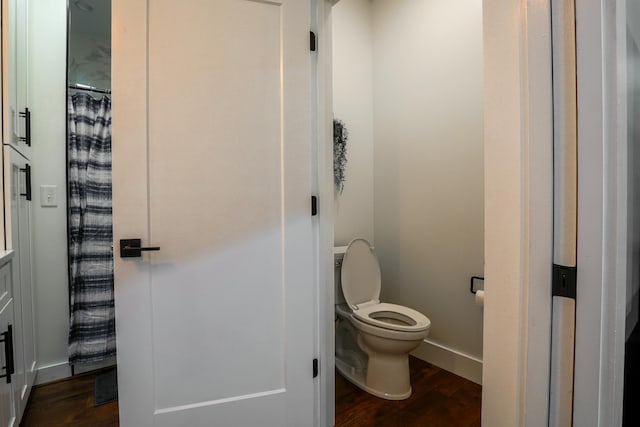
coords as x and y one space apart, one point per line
106 387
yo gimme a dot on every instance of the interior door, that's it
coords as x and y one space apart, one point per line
212 163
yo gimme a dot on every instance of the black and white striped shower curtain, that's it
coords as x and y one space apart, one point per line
92 334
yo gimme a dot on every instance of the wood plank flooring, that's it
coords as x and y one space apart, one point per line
68 403
439 399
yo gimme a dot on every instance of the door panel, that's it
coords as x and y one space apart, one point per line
217 326
8 416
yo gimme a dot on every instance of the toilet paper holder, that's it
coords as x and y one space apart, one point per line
472 283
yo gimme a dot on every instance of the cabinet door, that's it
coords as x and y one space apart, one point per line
26 284
18 234
7 397
16 74
14 162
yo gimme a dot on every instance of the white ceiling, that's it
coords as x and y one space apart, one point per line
95 22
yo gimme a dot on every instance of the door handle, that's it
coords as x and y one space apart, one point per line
9 368
132 248
27 181
27 118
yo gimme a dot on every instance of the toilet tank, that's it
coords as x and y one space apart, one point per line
338 255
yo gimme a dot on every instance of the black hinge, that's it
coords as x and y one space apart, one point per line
563 283
315 368
312 41
314 206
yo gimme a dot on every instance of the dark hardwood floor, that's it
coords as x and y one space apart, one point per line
439 399
68 403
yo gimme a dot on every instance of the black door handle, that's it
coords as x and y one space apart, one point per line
27 126
132 248
27 181
9 368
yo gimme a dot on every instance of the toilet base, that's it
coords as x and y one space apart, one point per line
359 379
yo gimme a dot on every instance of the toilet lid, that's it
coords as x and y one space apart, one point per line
360 274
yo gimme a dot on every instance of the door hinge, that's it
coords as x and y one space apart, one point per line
563 282
315 368
312 41
314 206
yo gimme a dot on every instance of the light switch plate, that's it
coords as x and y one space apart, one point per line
48 195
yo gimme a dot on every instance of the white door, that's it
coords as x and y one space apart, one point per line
212 163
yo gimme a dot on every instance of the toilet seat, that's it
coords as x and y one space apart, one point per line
361 284
392 316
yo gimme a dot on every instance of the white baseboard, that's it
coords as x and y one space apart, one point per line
454 361
62 370
53 372
86 367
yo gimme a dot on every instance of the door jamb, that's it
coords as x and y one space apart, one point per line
321 87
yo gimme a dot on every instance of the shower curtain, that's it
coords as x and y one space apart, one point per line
92 334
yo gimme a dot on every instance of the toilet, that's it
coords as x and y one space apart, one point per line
373 339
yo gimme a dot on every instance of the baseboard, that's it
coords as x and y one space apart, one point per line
86 367
454 361
62 370
53 372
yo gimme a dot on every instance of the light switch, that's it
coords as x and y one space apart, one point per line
48 195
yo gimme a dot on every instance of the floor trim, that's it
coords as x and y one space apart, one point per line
53 372
449 359
62 370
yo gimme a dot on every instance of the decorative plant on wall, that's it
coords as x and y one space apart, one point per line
340 136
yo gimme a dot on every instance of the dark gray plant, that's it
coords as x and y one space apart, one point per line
340 136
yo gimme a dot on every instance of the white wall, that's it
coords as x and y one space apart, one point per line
408 85
353 104
47 78
428 163
48 67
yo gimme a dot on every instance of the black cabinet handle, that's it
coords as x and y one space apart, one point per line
27 181
27 126
132 248
9 368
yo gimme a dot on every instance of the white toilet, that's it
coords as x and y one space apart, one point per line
373 339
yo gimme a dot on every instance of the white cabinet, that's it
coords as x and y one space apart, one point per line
16 141
8 407
17 116
18 237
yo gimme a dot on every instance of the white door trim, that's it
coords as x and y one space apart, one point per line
602 211
518 212
322 125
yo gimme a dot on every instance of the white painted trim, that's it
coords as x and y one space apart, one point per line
61 370
53 372
323 131
450 359
88 367
518 213
602 175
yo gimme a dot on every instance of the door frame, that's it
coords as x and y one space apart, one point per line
518 133
322 139
518 212
602 212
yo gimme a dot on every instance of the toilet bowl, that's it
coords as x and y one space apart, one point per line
373 339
